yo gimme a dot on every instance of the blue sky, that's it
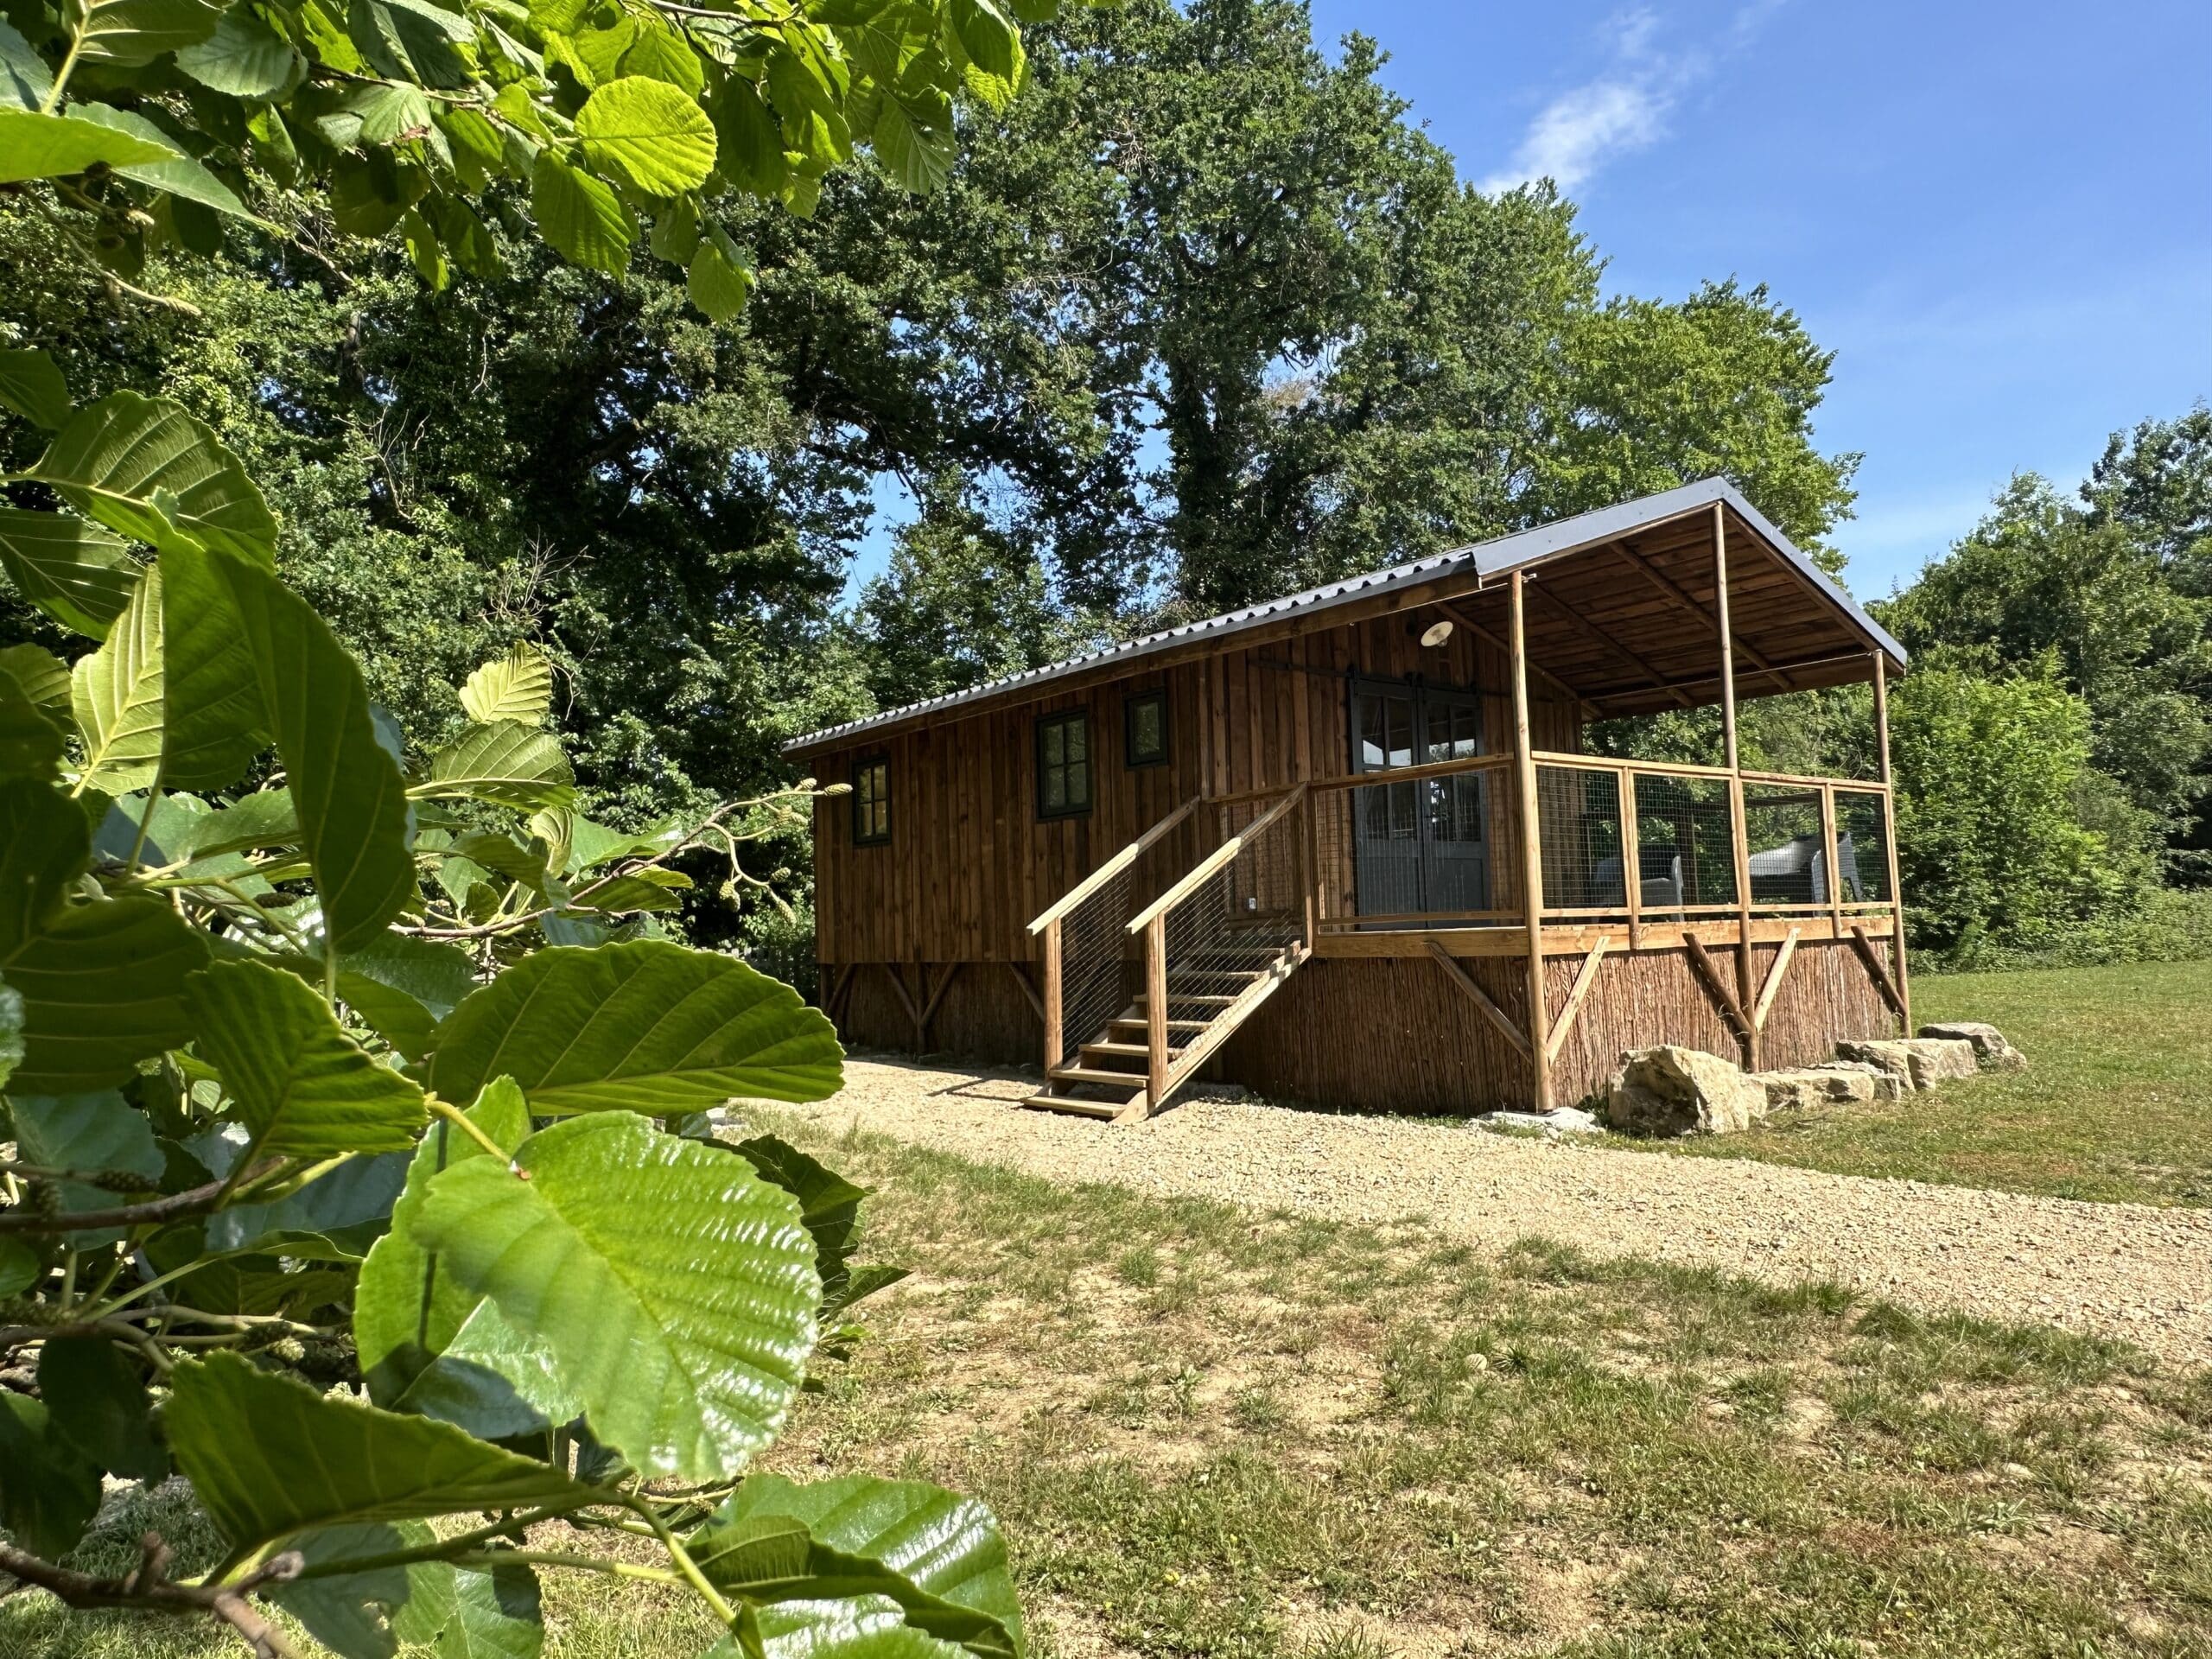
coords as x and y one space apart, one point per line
1999 217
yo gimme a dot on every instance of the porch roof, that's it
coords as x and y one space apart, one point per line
1620 579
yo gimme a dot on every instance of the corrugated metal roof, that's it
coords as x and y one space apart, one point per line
1480 559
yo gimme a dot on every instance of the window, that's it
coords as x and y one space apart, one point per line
872 801
1144 729
1063 765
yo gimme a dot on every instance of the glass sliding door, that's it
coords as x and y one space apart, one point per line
1421 845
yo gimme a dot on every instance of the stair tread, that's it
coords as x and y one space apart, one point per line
1092 1074
1042 1103
1135 1051
1172 1024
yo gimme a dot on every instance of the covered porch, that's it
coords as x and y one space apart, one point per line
1511 872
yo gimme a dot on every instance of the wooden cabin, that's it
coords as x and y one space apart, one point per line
1350 847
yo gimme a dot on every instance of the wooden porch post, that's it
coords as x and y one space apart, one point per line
1738 845
1889 834
1053 1055
1532 855
1155 1012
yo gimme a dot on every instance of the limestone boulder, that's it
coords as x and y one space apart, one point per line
1670 1090
1809 1086
1883 1084
1992 1052
1915 1062
1567 1120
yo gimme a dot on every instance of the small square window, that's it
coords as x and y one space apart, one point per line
1144 729
872 801
1063 765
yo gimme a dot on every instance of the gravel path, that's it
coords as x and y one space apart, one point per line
2121 1269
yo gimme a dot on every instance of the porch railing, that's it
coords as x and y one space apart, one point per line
1219 940
1084 933
1439 846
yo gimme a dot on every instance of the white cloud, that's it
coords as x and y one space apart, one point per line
1622 109
1579 132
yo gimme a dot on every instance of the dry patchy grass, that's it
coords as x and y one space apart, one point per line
1212 1432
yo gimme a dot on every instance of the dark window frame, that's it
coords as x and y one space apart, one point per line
880 799
1063 720
1156 697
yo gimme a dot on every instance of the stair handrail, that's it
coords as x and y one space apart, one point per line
1113 866
1213 862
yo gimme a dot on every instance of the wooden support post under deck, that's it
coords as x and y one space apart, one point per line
1053 1055
1156 1010
1631 859
1829 851
1889 837
1739 845
1532 852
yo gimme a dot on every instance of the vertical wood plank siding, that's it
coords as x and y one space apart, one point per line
969 862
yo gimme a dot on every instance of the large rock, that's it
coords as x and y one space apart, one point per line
1671 1091
1884 1084
1915 1062
1566 1120
1814 1086
1991 1052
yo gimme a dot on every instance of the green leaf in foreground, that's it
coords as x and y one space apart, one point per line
70 568
38 146
144 467
301 1084
506 762
433 1608
247 656
269 1456
427 1343
32 386
584 220
48 1490
937 1554
102 988
646 1026
653 134
517 686
95 1133
97 1400
675 1287
116 695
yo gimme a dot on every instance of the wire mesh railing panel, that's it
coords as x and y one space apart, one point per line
1578 835
1437 848
1236 924
1789 861
1094 961
1685 851
1862 851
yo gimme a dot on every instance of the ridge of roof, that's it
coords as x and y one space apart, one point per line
1495 556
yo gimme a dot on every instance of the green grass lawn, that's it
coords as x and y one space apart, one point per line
1213 1433
2116 1102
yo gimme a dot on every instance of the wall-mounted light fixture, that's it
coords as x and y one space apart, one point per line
1437 633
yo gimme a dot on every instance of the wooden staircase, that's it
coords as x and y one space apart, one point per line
1206 1002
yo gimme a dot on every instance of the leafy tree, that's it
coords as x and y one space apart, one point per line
962 602
1645 395
1991 775
295 1098
2158 482
294 1094
2092 593
154 118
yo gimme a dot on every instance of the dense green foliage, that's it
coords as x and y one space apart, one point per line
334 1060
1200 316
295 1097
2111 597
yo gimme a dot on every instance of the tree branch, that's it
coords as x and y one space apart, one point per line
192 1202
147 1588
